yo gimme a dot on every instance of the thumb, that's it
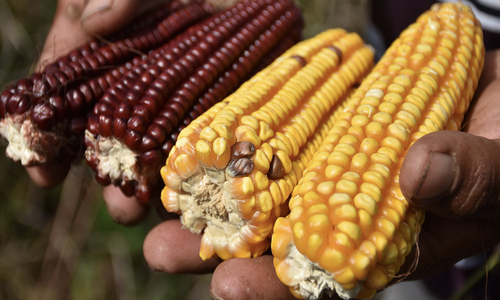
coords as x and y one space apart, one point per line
454 175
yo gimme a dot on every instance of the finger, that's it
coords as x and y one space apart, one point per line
124 210
483 118
75 21
248 278
491 70
102 17
50 175
454 175
170 248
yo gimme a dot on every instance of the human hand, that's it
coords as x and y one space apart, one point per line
74 23
454 177
460 194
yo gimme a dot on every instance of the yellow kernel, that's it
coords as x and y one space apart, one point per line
338 199
332 260
333 172
315 246
326 188
375 130
360 120
389 153
402 61
386 227
365 222
366 202
261 162
299 235
393 69
339 239
346 149
375 92
318 209
381 243
399 132
407 119
372 190
275 191
339 158
360 264
349 140
377 279
319 223
247 186
394 98
343 213
382 118
391 255
351 176
350 229
391 215
297 214
396 88
404 50
285 160
265 201
306 187
251 122
346 186
208 134
370 100
388 108
261 181
368 146
359 163
394 144
366 110
380 158
186 165
311 198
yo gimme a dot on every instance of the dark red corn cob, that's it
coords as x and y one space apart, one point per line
42 114
136 123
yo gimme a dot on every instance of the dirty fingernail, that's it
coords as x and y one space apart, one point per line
437 178
94 6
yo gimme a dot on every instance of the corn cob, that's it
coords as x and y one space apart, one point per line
232 169
135 125
350 229
47 112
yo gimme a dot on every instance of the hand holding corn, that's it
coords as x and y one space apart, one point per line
446 228
422 193
356 269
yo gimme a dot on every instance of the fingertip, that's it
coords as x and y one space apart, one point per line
170 248
123 210
48 175
248 278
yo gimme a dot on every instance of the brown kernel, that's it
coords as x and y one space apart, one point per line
242 149
300 59
337 51
239 167
276 170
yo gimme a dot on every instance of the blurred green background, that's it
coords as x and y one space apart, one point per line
61 243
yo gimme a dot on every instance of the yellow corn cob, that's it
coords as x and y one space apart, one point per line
232 169
350 228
